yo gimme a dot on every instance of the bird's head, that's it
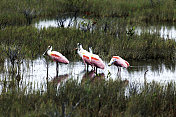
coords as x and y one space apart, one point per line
48 48
79 46
111 62
90 50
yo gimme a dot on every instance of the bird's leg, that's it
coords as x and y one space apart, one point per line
57 69
84 64
93 68
87 67
118 71
96 70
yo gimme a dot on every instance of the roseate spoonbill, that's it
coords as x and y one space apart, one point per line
56 56
91 52
119 62
85 55
96 61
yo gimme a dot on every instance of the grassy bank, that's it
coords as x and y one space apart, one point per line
90 98
13 12
33 42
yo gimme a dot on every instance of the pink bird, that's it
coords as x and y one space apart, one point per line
89 58
119 62
56 56
96 60
85 55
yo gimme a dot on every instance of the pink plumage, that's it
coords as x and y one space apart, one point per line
60 59
119 62
56 56
97 62
86 59
89 58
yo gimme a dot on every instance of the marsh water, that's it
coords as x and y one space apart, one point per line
155 70
35 72
164 30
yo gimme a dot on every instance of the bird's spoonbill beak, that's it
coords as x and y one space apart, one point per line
49 47
74 49
109 64
44 53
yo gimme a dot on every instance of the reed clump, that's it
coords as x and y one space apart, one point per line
98 97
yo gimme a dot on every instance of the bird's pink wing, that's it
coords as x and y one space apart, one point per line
96 61
59 58
121 62
86 59
127 63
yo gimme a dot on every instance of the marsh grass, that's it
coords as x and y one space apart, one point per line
12 12
99 97
33 43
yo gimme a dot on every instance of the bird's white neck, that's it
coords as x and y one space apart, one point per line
81 48
90 50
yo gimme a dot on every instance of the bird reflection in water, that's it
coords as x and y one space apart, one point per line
91 75
60 78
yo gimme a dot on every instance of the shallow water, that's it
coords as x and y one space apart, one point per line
69 22
166 31
36 71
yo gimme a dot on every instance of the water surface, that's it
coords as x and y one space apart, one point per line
166 31
36 71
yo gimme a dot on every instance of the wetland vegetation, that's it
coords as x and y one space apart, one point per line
18 13
33 42
96 97
110 31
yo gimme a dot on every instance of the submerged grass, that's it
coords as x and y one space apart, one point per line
96 98
33 43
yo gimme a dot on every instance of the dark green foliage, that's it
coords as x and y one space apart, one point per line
91 98
153 100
